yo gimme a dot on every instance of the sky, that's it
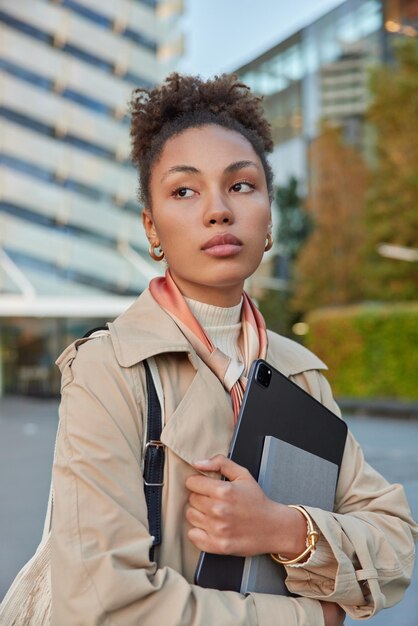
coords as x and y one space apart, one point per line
221 35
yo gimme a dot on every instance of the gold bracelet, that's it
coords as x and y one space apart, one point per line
311 540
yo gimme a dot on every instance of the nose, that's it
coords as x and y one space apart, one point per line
218 211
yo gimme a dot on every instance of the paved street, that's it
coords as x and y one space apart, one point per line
27 431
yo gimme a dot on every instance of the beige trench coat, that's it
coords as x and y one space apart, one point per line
101 573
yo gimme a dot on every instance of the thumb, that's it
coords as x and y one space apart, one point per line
224 466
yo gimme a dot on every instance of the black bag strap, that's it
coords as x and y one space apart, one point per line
154 462
154 456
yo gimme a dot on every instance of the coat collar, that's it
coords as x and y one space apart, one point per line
145 330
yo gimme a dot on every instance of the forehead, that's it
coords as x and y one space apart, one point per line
202 144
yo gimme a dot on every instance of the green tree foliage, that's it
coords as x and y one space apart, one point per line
294 222
294 226
329 268
392 208
274 305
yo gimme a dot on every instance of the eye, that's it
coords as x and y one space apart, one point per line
183 192
243 187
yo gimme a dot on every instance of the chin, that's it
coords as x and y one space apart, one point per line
224 279
224 274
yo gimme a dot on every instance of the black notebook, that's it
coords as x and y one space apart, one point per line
293 445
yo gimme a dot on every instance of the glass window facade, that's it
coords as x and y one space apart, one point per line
28 167
81 9
151 3
76 51
320 71
48 85
69 217
278 70
24 74
24 27
49 130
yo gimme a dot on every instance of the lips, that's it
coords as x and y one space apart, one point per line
222 240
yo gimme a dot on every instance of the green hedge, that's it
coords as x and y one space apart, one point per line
371 350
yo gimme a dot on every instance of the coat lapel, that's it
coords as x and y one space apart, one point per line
203 423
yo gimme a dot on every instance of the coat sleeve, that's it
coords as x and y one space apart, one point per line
100 568
366 553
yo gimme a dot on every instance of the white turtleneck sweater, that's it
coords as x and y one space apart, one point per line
222 324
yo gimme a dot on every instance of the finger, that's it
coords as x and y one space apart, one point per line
223 465
204 542
201 503
203 485
200 539
196 518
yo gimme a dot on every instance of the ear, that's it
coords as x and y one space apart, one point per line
149 225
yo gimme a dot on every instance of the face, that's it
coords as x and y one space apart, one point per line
210 212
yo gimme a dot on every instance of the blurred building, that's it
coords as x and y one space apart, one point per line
321 72
72 248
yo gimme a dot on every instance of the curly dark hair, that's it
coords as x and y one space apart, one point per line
183 102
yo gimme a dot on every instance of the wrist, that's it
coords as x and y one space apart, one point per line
312 537
286 533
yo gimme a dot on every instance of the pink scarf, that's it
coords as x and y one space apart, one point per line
253 339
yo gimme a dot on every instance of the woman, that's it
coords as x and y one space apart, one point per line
206 187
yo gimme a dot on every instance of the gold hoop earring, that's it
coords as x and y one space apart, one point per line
153 255
269 243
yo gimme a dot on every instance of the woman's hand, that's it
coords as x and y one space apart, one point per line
236 517
333 614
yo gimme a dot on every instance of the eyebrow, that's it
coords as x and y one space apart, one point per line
239 165
189 169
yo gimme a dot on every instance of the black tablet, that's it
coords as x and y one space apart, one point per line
296 439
